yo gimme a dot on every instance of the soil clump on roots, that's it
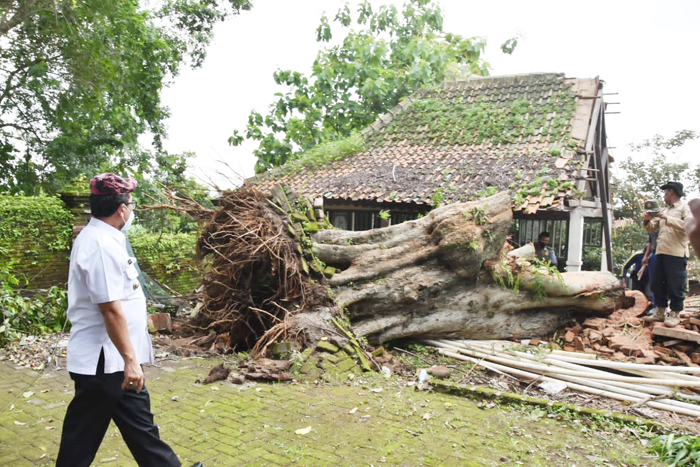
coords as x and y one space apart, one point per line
257 280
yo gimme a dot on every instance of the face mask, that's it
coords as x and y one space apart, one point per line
128 222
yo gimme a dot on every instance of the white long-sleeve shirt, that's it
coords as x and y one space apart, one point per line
101 271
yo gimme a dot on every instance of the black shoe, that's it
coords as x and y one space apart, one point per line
198 464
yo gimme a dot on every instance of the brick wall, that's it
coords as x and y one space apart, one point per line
35 240
37 266
37 247
169 258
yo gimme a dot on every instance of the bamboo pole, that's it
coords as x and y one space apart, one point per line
571 385
592 360
549 369
643 391
630 366
505 345
638 390
643 387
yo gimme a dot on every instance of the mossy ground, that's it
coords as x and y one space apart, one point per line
393 424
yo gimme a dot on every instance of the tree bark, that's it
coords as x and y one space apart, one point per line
436 277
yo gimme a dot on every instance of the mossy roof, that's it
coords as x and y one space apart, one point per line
462 140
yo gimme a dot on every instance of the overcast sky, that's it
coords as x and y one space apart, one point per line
646 51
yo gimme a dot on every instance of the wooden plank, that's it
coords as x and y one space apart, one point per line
684 356
676 333
672 342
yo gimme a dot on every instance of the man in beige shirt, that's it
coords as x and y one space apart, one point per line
670 278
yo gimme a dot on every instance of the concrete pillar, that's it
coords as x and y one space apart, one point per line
79 205
604 250
603 257
318 208
575 247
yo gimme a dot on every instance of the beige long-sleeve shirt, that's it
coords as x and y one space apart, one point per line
673 240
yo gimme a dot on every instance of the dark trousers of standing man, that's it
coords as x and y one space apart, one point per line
99 399
669 281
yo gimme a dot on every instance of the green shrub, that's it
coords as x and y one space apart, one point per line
627 239
592 257
43 313
170 258
33 222
677 450
35 237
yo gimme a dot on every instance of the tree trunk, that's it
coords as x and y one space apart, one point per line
439 276
444 275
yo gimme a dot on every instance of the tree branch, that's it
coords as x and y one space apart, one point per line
10 76
15 126
23 13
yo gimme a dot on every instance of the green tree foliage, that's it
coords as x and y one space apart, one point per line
81 81
169 174
156 183
641 181
20 316
384 56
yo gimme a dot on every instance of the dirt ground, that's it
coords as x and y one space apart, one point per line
410 357
369 420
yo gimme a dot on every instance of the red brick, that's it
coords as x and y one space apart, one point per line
161 322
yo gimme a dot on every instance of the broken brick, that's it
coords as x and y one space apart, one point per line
595 323
640 303
592 335
161 322
326 347
440 371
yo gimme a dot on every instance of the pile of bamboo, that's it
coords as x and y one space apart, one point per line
653 385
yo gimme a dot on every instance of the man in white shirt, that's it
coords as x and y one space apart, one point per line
109 337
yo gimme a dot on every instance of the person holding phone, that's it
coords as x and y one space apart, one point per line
669 279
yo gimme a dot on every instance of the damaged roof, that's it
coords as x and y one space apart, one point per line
460 141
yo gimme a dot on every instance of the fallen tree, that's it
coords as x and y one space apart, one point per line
443 275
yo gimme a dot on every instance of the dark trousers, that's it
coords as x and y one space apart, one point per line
99 399
669 281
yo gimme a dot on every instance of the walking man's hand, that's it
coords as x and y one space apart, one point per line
133 376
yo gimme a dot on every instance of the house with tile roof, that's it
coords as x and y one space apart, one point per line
540 136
